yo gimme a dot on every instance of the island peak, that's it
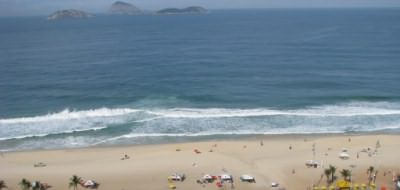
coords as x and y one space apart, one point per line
69 14
123 8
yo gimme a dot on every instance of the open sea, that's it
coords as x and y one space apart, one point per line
113 80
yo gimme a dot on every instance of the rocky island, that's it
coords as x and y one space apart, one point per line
187 10
69 14
123 8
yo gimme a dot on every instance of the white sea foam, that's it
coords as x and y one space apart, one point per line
62 122
323 111
341 110
46 134
356 116
69 115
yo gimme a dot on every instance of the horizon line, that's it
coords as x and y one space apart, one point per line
147 11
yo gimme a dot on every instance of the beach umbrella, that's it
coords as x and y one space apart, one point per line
342 184
171 186
372 186
363 186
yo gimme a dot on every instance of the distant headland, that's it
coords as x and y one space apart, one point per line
123 8
69 14
187 10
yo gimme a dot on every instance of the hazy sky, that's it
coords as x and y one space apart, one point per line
44 7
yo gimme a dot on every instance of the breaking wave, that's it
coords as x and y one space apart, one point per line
68 115
105 125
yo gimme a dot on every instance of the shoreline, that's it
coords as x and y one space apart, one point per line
211 138
268 158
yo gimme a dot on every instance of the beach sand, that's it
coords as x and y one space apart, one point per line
279 158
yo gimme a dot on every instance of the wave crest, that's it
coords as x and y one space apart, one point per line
68 114
128 122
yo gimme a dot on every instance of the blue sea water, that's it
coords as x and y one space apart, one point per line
151 78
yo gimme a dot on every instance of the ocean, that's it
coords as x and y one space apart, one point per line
113 80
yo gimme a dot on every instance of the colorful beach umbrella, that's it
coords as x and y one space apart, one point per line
342 184
372 186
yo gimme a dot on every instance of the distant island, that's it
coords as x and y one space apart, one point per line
69 14
123 8
187 10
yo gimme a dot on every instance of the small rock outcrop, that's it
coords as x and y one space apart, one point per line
69 14
187 10
123 8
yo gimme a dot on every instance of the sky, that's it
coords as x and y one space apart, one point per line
45 7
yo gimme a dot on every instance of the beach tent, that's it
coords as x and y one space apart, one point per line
247 178
312 163
226 177
344 156
208 178
90 184
176 177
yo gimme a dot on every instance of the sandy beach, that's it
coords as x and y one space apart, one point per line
268 158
